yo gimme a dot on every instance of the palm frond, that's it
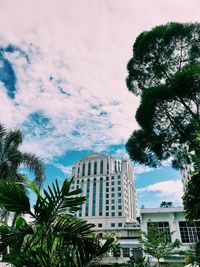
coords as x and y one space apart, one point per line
36 165
13 198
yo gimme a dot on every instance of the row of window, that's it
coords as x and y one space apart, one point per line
117 168
112 225
189 231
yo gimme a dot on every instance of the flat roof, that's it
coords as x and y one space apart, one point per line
161 210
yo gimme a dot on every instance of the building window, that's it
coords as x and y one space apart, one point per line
125 252
119 207
107 183
118 166
119 200
161 227
107 195
115 166
107 213
107 178
113 214
95 168
112 189
87 198
119 194
119 182
112 224
119 188
112 177
113 195
107 207
101 167
113 207
77 181
82 189
107 189
113 201
89 168
119 224
119 177
94 197
99 224
119 213
107 201
101 197
189 232
113 183
83 170
77 187
107 167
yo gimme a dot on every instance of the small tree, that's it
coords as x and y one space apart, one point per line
158 243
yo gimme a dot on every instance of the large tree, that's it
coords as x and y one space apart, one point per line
52 236
165 72
11 158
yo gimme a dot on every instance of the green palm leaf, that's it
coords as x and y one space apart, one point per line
13 198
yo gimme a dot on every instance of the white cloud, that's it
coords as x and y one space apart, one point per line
142 169
170 190
84 47
65 169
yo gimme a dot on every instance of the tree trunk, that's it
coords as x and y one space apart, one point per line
158 262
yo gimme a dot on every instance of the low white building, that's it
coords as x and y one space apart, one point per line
174 220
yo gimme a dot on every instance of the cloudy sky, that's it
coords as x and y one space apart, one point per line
62 80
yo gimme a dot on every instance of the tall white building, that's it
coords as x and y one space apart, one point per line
111 198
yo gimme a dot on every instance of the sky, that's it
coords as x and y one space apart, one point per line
62 81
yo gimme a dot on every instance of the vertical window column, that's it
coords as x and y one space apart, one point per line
115 166
101 167
83 170
95 168
87 198
94 197
101 197
82 189
89 168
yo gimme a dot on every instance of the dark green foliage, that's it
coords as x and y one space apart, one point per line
160 53
158 243
11 158
191 198
165 72
165 204
54 237
193 255
138 262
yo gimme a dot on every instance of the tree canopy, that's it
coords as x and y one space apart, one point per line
165 204
11 158
165 72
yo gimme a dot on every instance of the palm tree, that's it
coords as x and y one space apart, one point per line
165 204
53 237
11 158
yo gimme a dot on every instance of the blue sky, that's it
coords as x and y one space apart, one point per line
62 80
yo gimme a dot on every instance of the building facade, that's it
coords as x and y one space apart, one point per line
111 198
174 220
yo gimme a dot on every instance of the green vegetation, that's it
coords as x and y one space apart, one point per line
54 236
158 243
165 72
165 204
11 158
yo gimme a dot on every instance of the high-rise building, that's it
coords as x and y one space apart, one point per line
111 198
